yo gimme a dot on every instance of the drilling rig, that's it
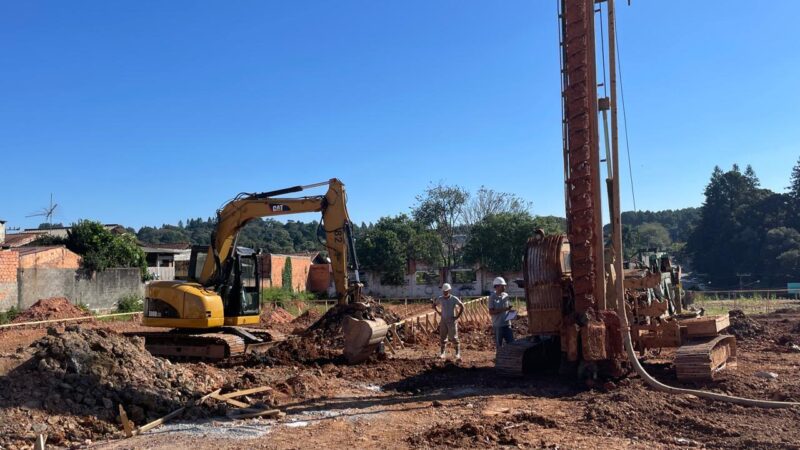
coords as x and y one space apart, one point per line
580 300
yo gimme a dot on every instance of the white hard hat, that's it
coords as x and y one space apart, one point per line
446 287
499 281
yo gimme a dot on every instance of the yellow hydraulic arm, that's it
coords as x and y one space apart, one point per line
335 220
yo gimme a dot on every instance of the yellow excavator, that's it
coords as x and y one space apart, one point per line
208 311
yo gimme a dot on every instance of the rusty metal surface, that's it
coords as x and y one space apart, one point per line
583 180
546 262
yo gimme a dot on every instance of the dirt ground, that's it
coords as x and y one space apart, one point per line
415 400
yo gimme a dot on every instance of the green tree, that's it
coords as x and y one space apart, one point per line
286 277
498 241
653 235
551 224
49 226
387 246
441 209
794 186
101 249
728 237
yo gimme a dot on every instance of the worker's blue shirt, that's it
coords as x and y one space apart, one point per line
501 301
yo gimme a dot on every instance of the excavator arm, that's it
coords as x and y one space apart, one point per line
335 220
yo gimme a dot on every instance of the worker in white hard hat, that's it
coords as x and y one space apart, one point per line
446 305
499 309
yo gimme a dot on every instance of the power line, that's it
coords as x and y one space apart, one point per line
625 118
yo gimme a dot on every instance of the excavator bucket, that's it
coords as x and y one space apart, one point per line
362 338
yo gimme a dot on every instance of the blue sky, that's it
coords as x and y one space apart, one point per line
148 112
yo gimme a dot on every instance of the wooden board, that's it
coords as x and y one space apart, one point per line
705 326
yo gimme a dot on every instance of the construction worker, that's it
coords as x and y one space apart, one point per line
445 305
499 308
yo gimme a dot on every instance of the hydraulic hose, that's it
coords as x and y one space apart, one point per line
659 386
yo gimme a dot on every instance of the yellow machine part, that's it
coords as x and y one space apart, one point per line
197 306
242 320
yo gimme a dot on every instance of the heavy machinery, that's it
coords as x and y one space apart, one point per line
581 302
208 312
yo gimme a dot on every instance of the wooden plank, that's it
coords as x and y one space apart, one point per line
127 426
255 390
208 396
250 412
160 421
389 343
230 401
40 442
393 328
71 319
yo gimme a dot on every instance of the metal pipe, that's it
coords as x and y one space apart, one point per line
616 214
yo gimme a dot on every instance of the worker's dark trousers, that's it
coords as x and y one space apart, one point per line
503 334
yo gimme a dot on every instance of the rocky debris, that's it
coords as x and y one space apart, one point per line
494 431
766 375
330 324
50 309
82 375
744 327
274 314
323 342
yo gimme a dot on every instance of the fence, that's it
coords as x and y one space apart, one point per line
411 306
162 273
753 301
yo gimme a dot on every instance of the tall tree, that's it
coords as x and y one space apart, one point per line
387 247
727 238
497 242
441 208
487 201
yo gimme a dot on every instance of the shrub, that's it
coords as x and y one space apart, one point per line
286 278
8 316
130 303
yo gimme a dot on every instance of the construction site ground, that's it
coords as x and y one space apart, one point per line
415 400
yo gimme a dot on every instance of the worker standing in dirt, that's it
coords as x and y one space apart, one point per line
445 305
499 308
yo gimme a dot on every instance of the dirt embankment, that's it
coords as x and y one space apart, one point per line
51 309
72 385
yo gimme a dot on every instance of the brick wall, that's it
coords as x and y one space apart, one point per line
51 258
300 267
9 263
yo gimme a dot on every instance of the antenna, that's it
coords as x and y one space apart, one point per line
46 212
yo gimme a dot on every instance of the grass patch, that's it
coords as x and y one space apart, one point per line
283 296
8 316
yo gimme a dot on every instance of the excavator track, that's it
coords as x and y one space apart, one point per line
702 360
206 347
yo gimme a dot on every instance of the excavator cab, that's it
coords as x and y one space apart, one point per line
240 291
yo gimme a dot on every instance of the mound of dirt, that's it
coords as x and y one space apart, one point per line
50 309
82 375
493 432
307 318
323 340
632 410
744 327
274 314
